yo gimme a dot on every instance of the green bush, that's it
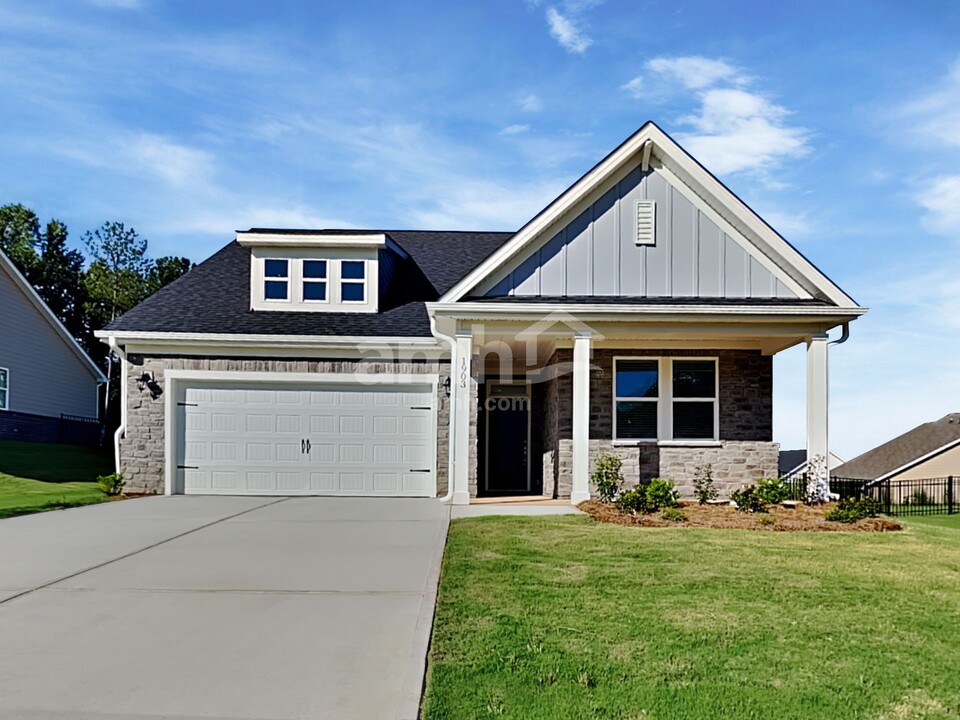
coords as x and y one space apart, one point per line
661 494
748 499
607 477
849 510
703 487
773 491
919 497
111 484
673 514
632 501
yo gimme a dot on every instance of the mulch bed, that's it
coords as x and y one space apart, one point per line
803 518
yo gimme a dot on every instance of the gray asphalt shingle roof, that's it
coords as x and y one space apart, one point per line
902 450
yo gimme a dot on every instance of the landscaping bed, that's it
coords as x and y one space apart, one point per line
807 518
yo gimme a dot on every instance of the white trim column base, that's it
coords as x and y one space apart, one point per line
818 403
580 490
461 426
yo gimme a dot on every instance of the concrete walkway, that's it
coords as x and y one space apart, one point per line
219 608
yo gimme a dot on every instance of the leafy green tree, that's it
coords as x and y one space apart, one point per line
58 279
165 270
117 278
20 237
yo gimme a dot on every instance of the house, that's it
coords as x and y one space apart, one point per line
931 450
793 463
637 314
49 387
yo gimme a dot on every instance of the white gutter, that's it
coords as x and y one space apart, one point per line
451 439
122 428
586 311
326 341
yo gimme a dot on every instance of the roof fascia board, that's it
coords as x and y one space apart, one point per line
915 462
41 306
267 341
693 311
248 239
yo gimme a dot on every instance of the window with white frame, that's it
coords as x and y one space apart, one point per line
353 281
636 393
315 281
665 399
276 279
4 389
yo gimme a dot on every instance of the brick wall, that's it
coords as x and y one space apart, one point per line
142 448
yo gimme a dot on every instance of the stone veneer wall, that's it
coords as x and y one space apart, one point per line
746 424
141 450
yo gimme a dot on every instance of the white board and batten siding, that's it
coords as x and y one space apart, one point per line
277 439
598 253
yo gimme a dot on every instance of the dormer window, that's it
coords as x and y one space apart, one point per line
353 281
276 284
315 281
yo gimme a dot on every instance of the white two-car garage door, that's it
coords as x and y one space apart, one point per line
327 440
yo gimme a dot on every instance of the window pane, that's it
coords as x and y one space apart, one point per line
694 378
315 269
637 378
315 291
636 419
3 379
351 269
3 398
693 421
351 292
274 290
275 268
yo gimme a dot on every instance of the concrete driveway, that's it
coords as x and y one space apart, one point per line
216 608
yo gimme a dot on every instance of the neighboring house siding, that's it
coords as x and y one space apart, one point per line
746 452
47 377
596 254
142 447
943 465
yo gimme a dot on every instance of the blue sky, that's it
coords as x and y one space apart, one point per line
838 122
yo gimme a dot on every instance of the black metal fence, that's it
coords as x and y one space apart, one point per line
928 496
844 487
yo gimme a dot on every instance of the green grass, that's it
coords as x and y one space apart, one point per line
36 476
947 521
560 618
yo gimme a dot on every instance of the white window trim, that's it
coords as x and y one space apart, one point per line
353 281
288 279
304 281
5 372
665 401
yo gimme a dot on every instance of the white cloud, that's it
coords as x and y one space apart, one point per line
735 129
564 31
515 129
531 103
936 114
940 197
695 72
173 162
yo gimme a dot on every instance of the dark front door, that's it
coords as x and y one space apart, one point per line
508 439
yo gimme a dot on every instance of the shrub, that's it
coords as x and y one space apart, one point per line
767 520
919 497
111 484
607 477
673 514
661 494
632 501
748 499
703 484
773 491
849 510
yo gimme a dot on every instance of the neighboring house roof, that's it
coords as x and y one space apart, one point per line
793 462
20 281
905 451
214 297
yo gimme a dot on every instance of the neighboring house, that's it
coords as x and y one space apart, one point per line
931 450
793 463
49 387
637 314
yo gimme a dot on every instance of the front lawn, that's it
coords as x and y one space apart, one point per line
38 476
562 618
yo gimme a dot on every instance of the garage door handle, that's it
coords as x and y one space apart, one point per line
421 407
303 446
415 470
308 446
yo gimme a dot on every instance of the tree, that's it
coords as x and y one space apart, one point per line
117 277
165 270
20 237
58 279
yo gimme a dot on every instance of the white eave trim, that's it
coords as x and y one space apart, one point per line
248 239
124 337
38 302
914 462
688 171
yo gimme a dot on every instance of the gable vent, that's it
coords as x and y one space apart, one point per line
646 222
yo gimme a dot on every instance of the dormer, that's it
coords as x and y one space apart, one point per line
319 270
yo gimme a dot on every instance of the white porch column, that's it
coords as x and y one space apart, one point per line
461 421
817 406
581 419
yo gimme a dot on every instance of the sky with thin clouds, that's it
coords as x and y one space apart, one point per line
839 123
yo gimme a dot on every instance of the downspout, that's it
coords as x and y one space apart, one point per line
452 343
844 335
122 428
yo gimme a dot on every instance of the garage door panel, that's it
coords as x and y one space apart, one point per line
363 440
